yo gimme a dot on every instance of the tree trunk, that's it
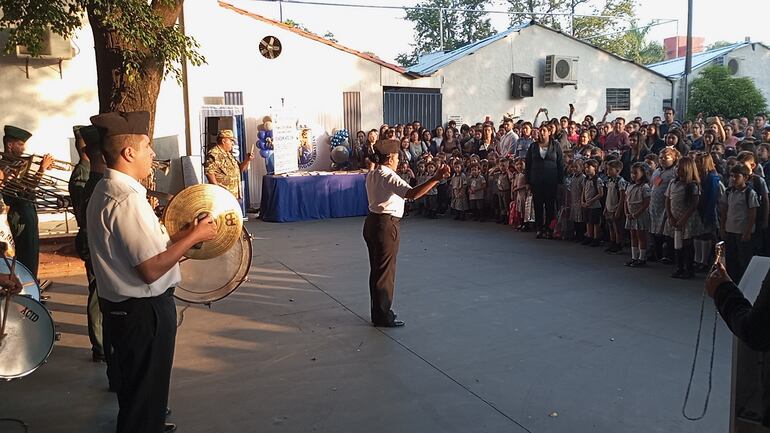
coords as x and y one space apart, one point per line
118 89
122 90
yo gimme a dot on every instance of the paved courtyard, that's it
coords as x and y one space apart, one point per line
504 333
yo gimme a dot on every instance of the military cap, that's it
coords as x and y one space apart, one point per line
226 133
386 147
17 133
92 135
119 123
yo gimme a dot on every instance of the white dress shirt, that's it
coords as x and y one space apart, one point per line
506 143
386 190
123 232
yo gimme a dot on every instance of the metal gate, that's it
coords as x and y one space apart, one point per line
405 105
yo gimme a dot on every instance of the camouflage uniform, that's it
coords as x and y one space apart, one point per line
225 169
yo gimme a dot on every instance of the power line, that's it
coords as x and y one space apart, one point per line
483 11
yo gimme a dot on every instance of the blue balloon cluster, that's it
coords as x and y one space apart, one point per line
339 138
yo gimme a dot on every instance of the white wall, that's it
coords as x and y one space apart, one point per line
755 64
308 77
478 85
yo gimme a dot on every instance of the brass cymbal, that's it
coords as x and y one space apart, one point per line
195 201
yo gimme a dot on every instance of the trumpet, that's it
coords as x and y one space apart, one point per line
28 160
162 165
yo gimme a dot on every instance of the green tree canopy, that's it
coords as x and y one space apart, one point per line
716 92
460 28
137 42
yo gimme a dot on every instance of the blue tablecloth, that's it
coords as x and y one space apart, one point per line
298 198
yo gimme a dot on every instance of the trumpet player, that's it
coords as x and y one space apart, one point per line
22 215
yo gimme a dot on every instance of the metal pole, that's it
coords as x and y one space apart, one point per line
280 10
688 59
441 27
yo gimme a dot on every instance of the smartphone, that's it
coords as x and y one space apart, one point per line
719 254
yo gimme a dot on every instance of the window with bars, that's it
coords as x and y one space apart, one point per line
619 99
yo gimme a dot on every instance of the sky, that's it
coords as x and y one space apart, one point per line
386 33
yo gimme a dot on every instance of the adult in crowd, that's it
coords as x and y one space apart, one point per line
22 214
221 167
136 268
507 142
653 141
760 120
618 138
669 122
386 192
544 173
635 153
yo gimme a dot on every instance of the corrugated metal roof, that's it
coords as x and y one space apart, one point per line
675 67
432 62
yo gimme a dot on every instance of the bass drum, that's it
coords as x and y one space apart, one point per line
29 285
207 281
29 337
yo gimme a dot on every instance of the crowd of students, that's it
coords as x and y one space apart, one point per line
668 190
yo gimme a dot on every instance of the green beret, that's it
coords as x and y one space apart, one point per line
17 133
119 123
386 147
92 136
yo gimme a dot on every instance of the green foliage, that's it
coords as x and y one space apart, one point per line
139 28
460 28
716 92
298 25
632 45
330 36
619 35
719 44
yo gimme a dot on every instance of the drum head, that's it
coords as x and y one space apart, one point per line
206 281
29 338
28 282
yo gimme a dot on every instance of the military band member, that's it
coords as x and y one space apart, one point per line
77 190
136 267
221 167
22 214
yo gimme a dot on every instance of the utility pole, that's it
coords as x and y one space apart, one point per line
280 10
688 59
441 28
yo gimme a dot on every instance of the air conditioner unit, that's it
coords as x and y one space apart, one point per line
561 70
733 65
54 47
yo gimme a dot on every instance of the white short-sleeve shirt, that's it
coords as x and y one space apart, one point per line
123 232
386 191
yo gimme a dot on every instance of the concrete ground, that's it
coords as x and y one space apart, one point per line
504 333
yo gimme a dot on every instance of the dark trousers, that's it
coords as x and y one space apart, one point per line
22 219
738 254
142 332
544 200
381 233
94 313
685 256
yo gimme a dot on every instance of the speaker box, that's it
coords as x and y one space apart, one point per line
522 86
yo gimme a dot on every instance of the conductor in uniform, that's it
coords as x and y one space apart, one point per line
136 268
386 192
22 214
221 167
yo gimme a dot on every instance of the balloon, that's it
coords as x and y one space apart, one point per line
340 154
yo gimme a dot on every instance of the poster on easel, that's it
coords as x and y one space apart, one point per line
284 142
